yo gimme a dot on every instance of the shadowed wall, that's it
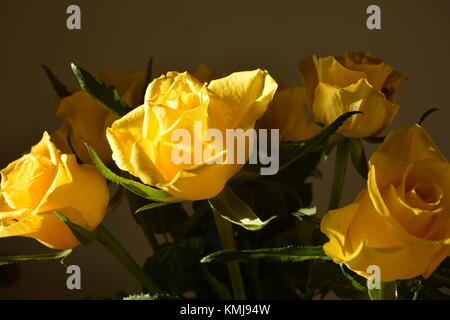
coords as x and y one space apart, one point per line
229 36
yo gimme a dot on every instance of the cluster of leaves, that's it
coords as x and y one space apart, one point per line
177 266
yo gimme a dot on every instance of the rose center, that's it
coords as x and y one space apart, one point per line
425 195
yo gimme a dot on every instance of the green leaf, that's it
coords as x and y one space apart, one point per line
141 296
218 287
137 188
175 267
374 294
441 278
228 205
195 221
305 212
147 296
69 142
353 281
83 235
332 128
287 254
58 255
151 206
59 87
388 291
105 94
358 157
290 152
416 293
105 238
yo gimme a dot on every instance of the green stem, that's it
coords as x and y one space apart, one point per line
309 292
416 294
340 169
225 231
116 249
388 291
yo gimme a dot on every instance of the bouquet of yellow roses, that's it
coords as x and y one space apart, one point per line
217 172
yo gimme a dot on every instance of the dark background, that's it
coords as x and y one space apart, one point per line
229 36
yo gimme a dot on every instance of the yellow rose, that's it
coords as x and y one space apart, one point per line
357 82
288 113
142 141
87 120
401 222
45 180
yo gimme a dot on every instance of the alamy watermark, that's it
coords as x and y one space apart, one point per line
73 21
374 280
238 145
74 280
